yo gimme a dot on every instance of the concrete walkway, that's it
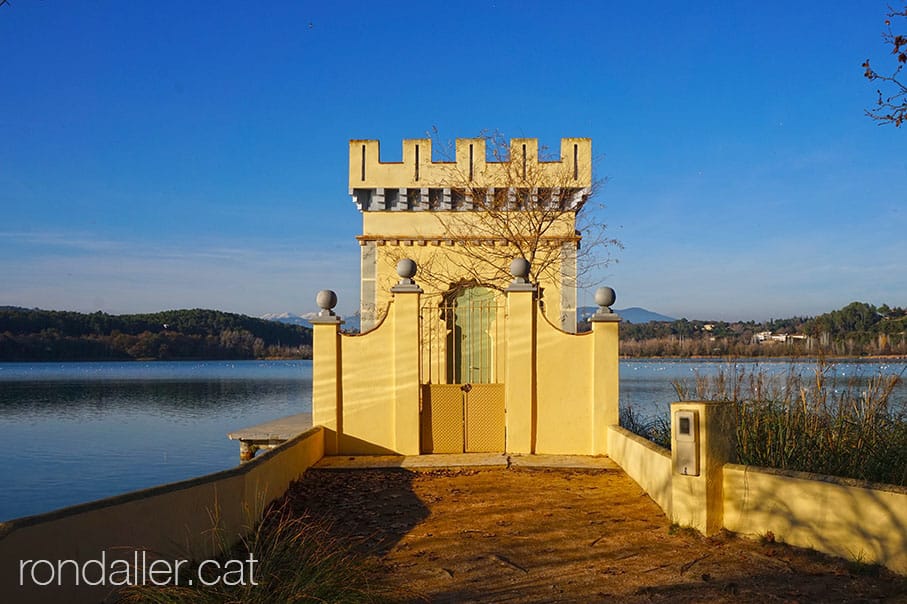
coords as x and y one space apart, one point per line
465 460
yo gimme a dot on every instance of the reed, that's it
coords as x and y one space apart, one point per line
813 422
656 429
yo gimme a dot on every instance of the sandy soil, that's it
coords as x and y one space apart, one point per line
539 535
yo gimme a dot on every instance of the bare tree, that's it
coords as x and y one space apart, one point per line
516 206
891 105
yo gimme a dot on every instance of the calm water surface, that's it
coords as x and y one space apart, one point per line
648 385
74 432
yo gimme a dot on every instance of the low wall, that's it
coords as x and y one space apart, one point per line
643 461
182 520
852 519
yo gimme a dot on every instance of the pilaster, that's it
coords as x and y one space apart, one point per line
605 378
407 298
327 402
520 372
702 441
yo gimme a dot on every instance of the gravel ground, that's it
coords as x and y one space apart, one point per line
545 535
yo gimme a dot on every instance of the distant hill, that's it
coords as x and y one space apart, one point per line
629 315
634 315
47 335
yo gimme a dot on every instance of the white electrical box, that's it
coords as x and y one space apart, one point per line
686 439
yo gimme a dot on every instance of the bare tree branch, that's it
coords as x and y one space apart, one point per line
520 209
891 106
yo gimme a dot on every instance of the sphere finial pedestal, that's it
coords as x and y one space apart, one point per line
406 269
326 300
605 297
520 269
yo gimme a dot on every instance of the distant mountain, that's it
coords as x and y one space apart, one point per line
641 315
629 315
288 318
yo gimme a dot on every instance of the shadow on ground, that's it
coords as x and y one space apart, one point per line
371 510
521 535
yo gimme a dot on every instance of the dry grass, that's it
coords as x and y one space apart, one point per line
298 560
814 422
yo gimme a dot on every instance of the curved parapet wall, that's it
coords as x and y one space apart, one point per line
565 391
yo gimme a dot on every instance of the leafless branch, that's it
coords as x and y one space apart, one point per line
891 105
528 212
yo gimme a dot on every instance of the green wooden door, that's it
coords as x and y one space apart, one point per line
472 345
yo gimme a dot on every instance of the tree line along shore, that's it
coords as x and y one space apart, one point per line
856 330
46 335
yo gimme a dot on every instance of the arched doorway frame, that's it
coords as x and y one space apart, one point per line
463 397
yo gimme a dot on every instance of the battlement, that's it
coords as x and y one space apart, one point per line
470 168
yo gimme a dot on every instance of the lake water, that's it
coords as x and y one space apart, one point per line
74 432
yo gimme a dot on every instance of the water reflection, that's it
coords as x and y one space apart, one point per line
80 431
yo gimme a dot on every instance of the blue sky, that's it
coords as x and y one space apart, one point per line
158 155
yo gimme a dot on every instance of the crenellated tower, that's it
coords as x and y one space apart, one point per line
460 220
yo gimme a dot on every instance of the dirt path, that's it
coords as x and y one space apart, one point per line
521 535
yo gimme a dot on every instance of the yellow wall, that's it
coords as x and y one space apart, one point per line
403 174
605 379
326 393
398 222
560 389
370 405
174 520
565 383
434 224
852 519
420 237
368 390
643 461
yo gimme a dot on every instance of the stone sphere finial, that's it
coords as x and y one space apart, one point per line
519 268
326 300
406 268
605 297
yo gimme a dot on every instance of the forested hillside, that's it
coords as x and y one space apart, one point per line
46 335
854 330
42 335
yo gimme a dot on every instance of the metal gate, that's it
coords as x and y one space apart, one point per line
462 397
